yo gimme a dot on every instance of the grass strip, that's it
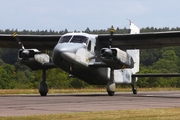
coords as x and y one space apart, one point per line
86 90
144 114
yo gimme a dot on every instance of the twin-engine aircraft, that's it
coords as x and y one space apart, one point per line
105 59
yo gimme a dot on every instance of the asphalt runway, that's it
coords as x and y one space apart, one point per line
21 105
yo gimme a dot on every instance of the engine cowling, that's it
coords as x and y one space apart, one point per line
33 58
116 58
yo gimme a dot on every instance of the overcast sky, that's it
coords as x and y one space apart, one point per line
80 14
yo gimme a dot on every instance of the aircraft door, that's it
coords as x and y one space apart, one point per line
90 50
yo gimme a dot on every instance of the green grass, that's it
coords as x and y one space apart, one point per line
144 114
86 90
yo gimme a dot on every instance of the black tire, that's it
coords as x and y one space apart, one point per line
110 93
43 93
43 88
134 91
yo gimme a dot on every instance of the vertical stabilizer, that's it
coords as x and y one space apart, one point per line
134 29
134 53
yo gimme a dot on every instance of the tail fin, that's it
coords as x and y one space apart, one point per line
134 53
134 29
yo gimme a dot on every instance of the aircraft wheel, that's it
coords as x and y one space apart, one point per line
43 93
134 91
110 93
43 88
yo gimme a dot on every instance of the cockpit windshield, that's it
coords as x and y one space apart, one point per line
65 39
79 39
73 39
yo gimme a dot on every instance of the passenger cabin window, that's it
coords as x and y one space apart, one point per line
65 39
79 39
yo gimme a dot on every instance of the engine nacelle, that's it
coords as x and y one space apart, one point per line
116 58
33 58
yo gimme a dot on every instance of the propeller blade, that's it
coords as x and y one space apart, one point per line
15 35
111 36
24 51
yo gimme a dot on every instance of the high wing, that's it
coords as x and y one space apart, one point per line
30 41
142 40
122 41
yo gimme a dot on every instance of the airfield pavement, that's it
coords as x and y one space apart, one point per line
22 105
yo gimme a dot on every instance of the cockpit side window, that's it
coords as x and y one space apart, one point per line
65 39
79 39
89 46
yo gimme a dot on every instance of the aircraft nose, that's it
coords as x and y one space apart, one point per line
64 52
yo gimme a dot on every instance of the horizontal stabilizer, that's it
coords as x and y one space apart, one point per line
157 75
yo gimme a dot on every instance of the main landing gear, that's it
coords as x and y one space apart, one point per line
111 86
43 87
134 90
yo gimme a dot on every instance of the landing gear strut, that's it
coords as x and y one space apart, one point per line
111 86
134 90
43 87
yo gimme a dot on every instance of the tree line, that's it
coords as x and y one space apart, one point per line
13 74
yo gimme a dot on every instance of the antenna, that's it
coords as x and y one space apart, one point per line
129 21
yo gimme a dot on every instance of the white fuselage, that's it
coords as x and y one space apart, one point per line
75 51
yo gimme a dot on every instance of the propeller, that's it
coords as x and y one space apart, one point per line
24 51
108 52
